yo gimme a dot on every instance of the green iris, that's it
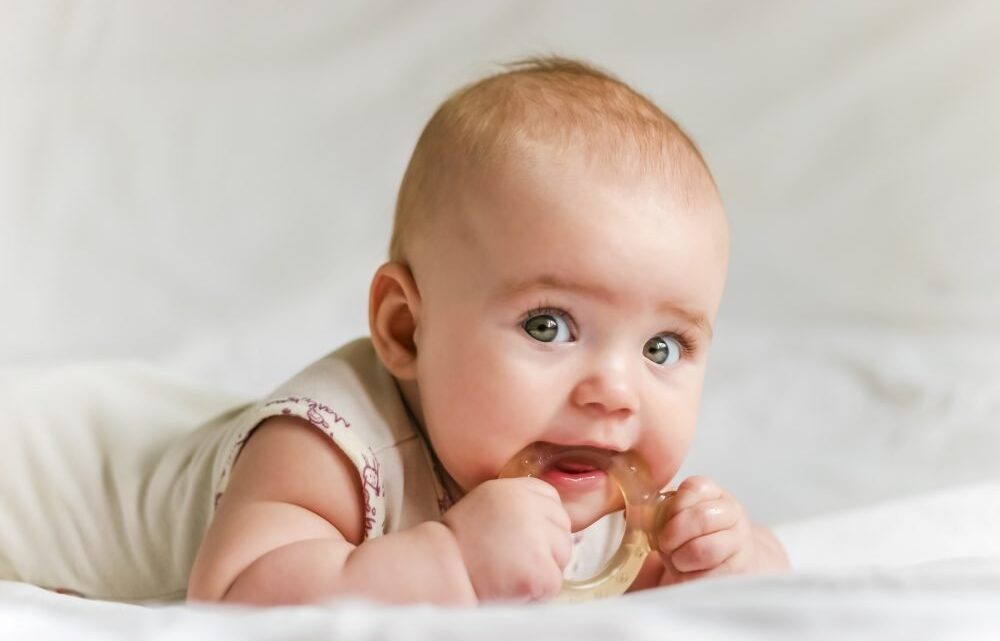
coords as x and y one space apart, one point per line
657 349
542 327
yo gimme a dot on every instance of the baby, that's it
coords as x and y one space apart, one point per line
557 262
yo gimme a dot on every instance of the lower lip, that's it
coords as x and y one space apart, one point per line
576 481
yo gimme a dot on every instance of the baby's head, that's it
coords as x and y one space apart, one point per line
557 262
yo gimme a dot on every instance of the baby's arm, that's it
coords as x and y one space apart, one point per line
288 529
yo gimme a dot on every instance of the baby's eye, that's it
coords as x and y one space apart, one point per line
662 350
548 328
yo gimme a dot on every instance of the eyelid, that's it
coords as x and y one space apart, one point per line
545 307
552 311
689 344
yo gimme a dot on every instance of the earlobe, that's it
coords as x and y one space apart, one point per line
393 315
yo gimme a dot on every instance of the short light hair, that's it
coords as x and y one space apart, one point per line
549 102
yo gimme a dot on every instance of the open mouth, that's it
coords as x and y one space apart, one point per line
570 466
572 473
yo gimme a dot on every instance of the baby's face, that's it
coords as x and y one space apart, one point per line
566 307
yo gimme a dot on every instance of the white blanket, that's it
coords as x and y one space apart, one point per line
877 592
208 189
950 600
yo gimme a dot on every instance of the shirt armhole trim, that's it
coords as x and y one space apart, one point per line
334 426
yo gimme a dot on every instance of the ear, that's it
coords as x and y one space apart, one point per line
393 317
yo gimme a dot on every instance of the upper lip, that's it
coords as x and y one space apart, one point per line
597 445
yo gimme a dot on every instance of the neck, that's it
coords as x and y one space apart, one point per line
410 393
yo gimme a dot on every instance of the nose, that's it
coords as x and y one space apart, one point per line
608 387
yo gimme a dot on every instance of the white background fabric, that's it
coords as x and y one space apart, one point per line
208 187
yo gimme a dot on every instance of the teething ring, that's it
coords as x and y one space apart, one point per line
643 513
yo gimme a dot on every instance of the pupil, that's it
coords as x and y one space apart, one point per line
543 327
657 350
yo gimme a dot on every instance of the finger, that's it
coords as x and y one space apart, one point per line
559 517
706 552
550 502
540 487
698 520
735 564
561 545
695 489
691 491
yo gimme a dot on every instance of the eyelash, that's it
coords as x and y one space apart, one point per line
687 342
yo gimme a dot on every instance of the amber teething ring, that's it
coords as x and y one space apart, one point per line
644 512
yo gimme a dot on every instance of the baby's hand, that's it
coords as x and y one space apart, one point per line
514 536
707 533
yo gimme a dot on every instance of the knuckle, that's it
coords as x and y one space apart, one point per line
539 575
545 489
699 549
694 555
670 534
537 586
697 484
546 585
523 586
680 561
705 515
484 490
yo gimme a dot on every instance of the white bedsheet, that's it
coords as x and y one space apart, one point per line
960 522
958 599
208 189
924 567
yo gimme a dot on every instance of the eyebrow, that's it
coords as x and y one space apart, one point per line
551 281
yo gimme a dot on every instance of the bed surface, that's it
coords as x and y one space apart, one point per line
946 600
207 192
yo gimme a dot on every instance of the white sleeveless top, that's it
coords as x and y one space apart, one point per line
109 491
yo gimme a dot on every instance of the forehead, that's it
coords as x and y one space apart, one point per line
559 224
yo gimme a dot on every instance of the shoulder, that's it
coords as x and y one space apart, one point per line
317 441
348 389
286 459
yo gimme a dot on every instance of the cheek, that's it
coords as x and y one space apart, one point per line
669 455
459 375
668 442
477 403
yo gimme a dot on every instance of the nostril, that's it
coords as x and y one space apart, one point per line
617 399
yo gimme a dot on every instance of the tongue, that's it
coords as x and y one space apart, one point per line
574 467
